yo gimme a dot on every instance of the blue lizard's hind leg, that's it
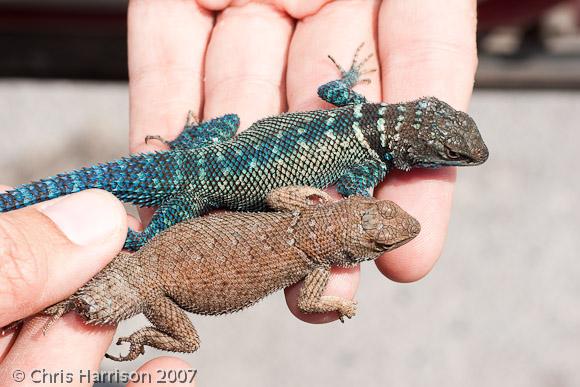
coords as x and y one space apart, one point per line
361 178
171 212
198 135
339 92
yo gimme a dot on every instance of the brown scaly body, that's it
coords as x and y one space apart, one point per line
225 262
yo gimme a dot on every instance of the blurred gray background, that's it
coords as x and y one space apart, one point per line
499 309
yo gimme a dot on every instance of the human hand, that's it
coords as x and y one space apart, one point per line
259 60
47 252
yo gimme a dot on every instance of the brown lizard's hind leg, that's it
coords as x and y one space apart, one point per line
55 312
171 331
311 299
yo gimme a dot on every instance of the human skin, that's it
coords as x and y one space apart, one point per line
47 251
254 59
261 59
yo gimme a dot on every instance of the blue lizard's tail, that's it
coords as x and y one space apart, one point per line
143 179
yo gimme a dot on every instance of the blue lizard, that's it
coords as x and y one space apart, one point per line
208 166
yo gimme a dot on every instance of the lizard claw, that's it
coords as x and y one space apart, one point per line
356 64
122 340
355 70
192 119
134 350
156 137
348 310
339 67
115 358
356 53
342 316
130 356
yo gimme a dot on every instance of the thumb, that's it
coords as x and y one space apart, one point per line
50 250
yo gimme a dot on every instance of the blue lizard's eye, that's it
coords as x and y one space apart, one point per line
388 157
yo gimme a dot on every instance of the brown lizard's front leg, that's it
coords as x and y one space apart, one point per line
171 331
311 299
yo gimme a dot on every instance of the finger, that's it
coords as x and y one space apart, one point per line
6 341
185 375
6 338
245 63
134 223
343 283
50 250
436 57
296 9
69 343
337 29
166 44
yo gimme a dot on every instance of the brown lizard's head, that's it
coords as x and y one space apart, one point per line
373 227
429 133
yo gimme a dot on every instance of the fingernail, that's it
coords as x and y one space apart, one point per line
86 218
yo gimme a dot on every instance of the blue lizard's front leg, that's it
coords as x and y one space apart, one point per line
339 92
359 179
197 135
171 212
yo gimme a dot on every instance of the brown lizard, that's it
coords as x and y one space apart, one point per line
224 262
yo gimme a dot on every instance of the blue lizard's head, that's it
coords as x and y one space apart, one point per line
428 133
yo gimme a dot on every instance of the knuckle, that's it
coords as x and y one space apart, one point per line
425 51
164 74
244 83
20 271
